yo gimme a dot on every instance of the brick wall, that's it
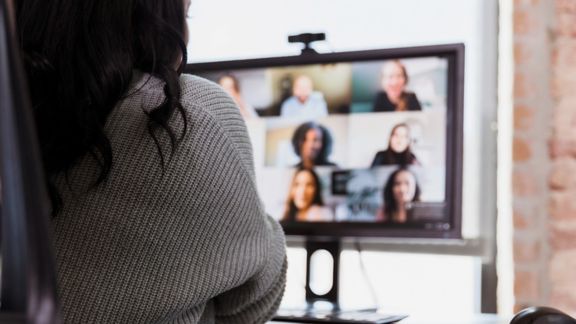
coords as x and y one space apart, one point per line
544 153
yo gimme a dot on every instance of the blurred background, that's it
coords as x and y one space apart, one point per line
519 221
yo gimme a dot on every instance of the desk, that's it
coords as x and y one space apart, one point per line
456 319
448 319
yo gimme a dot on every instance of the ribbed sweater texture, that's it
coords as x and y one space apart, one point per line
187 243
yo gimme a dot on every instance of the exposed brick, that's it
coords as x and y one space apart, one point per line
526 285
526 21
545 30
564 299
519 85
524 3
563 52
563 82
526 251
522 305
522 220
563 55
562 148
521 53
554 55
564 24
524 85
521 150
563 281
564 122
521 21
523 118
523 184
562 206
561 271
568 6
563 174
561 237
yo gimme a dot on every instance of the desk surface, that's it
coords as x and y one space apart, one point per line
448 319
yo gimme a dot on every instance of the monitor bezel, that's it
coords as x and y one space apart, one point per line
454 53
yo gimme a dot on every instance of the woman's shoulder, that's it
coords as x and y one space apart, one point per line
201 98
411 94
379 153
382 103
194 91
193 85
205 93
381 97
210 107
413 102
327 164
382 154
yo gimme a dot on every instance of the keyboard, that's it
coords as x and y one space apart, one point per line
341 317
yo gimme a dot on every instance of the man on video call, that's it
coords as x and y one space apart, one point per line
304 102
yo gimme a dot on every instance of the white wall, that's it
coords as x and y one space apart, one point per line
231 29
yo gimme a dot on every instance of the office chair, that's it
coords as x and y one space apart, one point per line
28 293
542 315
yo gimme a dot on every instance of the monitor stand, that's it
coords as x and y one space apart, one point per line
313 299
321 308
328 301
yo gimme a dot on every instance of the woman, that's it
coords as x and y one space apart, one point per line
400 190
156 214
312 142
230 83
393 95
399 151
305 202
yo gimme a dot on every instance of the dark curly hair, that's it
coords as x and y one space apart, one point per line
80 57
300 135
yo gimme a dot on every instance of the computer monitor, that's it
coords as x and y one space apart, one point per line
355 144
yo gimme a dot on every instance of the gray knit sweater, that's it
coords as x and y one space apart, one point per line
187 244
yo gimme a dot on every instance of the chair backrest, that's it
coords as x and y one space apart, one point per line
542 315
28 274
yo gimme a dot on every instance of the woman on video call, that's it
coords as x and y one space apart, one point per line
393 95
400 189
399 150
304 203
231 84
156 217
312 142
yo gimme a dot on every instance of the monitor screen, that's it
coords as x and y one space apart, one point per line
365 143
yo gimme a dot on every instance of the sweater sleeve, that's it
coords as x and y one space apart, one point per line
251 244
257 300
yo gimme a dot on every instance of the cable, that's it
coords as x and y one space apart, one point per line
365 274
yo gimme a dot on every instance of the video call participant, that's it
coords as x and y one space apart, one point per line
304 203
304 103
140 236
393 95
400 190
312 142
399 151
230 83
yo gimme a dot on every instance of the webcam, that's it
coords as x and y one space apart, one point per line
306 39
